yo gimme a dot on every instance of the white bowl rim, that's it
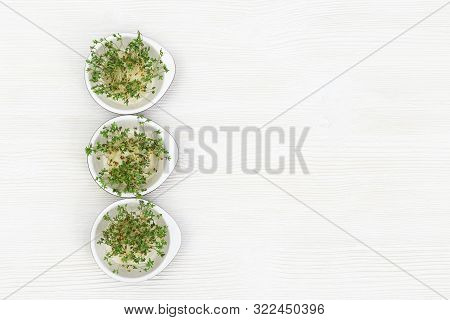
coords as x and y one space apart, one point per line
174 242
150 102
172 163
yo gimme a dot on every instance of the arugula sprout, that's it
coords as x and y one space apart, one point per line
128 154
124 73
132 236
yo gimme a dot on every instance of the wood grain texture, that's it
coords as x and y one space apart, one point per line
378 148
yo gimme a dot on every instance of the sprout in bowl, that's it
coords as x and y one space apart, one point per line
127 73
130 156
133 240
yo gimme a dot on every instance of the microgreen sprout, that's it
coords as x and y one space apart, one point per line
130 156
132 237
124 72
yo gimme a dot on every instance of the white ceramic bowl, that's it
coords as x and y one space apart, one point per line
165 167
149 99
98 251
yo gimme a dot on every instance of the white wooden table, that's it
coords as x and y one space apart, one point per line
378 149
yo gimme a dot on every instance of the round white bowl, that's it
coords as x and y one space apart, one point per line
149 99
165 167
98 250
